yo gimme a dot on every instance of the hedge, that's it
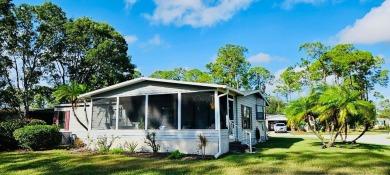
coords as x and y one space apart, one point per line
38 137
7 140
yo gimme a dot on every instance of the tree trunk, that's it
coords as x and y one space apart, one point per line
75 115
313 128
364 131
345 132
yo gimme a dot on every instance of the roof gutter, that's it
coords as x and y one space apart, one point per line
219 124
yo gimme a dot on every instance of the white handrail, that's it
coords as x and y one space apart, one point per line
247 141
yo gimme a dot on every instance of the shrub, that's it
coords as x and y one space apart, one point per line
151 141
7 140
38 136
132 146
35 122
103 144
202 144
117 151
176 155
78 143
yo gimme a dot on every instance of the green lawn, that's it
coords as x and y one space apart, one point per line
279 155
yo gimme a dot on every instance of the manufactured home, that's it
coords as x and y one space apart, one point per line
176 111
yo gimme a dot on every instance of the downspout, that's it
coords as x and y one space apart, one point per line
219 124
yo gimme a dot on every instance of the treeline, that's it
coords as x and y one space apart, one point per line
41 49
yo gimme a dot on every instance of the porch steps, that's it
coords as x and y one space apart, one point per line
238 147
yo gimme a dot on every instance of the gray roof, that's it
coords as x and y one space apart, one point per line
142 79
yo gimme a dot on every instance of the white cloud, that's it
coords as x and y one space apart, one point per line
288 4
195 13
373 28
264 58
156 40
130 3
130 39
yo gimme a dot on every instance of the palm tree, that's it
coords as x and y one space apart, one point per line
70 93
338 103
302 110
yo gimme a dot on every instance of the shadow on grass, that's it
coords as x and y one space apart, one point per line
279 142
364 146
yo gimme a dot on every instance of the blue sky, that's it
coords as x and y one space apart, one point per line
164 34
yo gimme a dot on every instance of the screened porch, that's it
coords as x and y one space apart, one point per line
175 111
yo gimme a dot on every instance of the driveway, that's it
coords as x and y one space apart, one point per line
378 139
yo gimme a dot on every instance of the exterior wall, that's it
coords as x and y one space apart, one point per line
73 124
250 101
152 88
186 141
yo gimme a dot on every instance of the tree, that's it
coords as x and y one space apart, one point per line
26 46
302 109
69 93
276 105
259 77
289 82
315 65
175 74
337 104
384 109
195 75
231 67
96 54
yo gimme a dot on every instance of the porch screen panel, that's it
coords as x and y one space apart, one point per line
103 113
132 112
198 110
162 111
223 111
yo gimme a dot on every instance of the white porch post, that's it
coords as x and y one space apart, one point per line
117 114
216 105
90 116
179 111
146 111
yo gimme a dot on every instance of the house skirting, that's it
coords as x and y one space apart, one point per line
186 141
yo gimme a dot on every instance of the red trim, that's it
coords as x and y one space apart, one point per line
55 118
67 118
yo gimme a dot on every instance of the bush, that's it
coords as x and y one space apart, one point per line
117 151
38 136
33 122
7 140
151 141
131 146
103 143
176 155
78 143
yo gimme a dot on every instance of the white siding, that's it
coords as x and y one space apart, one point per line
250 101
73 124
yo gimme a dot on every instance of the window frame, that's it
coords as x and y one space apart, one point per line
258 112
246 114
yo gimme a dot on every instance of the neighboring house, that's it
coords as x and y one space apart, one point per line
176 111
271 120
381 123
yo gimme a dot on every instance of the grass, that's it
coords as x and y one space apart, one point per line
279 155
372 132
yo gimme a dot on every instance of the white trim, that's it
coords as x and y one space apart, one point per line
90 117
257 91
215 109
138 80
179 111
146 111
117 114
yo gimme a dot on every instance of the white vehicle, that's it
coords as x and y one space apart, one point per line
280 127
